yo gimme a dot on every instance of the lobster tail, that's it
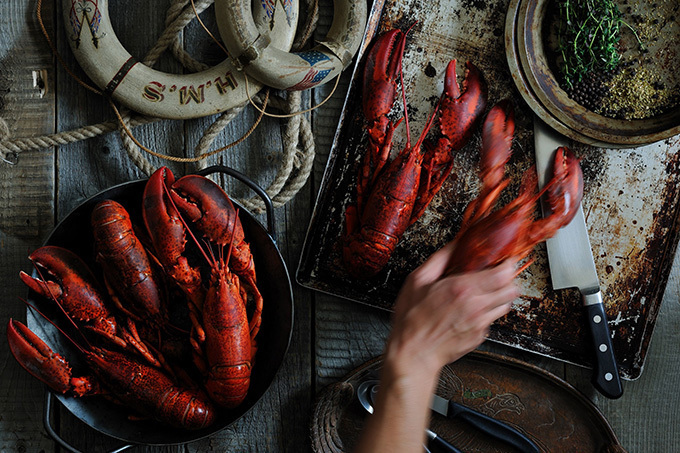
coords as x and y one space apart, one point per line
150 391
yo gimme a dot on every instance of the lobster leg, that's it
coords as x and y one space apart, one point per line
458 116
46 365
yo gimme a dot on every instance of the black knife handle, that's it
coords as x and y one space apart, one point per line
606 373
437 444
494 428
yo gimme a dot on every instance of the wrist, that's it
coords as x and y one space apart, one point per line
410 372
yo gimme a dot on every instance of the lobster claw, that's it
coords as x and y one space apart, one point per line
208 207
73 285
168 234
497 134
42 362
564 191
499 128
569 190
459 112
383 66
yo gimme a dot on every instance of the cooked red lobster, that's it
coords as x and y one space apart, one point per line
489 236
119 376
224 339
393 195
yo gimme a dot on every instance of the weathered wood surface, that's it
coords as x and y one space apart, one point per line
331 336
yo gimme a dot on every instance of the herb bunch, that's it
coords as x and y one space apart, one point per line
588 34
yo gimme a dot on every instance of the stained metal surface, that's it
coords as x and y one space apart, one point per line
549 411
630 202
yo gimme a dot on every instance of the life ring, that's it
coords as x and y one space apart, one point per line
160 94
252 52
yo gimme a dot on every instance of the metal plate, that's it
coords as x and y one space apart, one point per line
549 411
631 202
527 31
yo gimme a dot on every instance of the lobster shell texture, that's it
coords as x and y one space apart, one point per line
273 339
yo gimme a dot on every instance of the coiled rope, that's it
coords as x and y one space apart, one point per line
298 140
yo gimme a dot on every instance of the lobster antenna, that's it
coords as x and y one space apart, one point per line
186 226
77 345
401 77
429 124
233 230
54 298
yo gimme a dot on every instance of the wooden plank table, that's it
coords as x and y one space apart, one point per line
331 336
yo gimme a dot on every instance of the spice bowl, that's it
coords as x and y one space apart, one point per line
529 58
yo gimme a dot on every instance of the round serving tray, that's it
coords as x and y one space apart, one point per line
548 410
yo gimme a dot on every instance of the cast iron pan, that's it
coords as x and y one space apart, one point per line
75 234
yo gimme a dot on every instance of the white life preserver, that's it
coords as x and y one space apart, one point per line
251 50
160 94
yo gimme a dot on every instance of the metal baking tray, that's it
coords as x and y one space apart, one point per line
631 201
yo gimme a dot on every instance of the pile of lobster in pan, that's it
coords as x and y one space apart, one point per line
190 247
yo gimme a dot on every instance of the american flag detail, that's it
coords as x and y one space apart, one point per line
85 10
313 76
311 79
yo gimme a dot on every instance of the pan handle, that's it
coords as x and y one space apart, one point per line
47 421
269 207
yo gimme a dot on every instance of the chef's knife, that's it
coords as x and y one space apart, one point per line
571 266
489 425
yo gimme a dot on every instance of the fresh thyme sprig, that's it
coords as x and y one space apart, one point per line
588 34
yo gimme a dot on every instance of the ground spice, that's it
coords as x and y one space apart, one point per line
637 93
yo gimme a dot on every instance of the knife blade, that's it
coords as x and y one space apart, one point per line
570 258
489 425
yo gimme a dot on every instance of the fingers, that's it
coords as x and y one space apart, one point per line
433 268
480 297
495 278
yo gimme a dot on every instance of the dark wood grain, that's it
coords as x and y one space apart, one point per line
331 336
26 207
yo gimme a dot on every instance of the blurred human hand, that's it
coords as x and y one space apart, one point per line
439 319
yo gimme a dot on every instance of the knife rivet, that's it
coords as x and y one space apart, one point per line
597 319
603 347
608 377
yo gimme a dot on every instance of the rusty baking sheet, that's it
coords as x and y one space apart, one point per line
631 202
549 411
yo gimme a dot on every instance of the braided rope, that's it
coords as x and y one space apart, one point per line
298 141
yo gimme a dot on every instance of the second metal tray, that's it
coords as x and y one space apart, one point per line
631 201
